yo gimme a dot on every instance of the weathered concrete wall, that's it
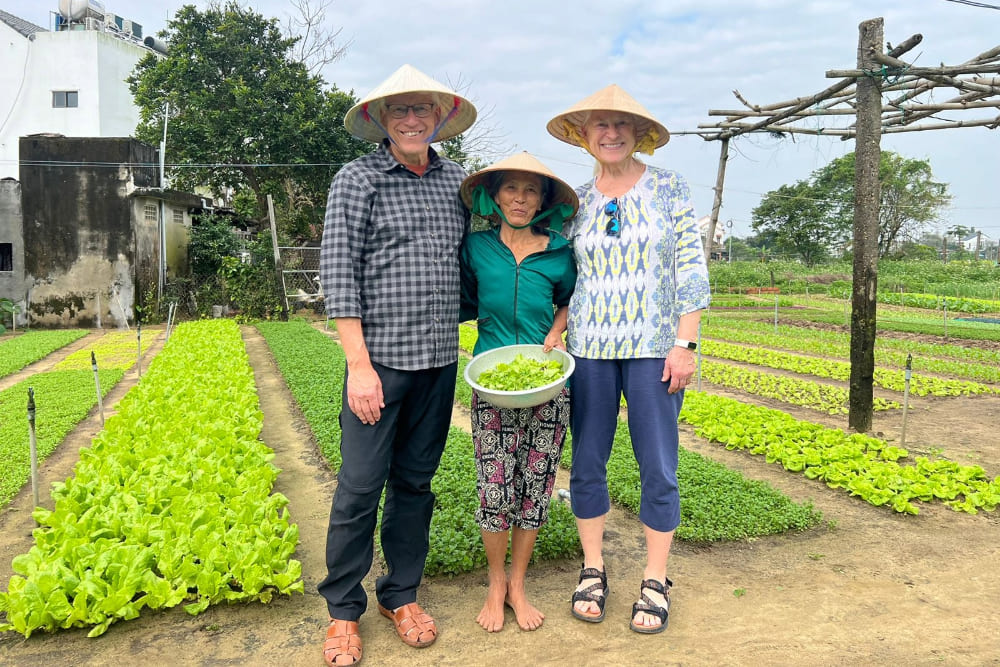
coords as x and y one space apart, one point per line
82 239
178 239
11 232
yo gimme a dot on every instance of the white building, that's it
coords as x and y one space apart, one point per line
978 241
68 81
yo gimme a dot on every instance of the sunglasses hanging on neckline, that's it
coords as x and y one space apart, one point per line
614 211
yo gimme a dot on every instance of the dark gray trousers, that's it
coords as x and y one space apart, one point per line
399 453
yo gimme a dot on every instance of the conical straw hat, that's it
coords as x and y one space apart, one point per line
408 79
649 132
562 193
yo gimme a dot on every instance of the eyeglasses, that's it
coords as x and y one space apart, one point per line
614 226
400 111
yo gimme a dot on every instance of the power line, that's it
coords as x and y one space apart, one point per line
975 4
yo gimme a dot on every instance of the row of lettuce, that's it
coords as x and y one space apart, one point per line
172 503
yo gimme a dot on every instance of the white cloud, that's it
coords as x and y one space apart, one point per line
528 60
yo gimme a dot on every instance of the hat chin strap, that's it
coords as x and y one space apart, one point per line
371 119
456 101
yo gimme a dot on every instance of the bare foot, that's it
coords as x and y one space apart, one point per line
528 617
491 616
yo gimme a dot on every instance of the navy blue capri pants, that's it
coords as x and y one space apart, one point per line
598 385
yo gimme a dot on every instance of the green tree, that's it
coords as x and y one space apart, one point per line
244 114
910 202
797 222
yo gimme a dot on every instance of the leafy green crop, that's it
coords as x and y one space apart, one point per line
115 349
312 365
520 374
18 351
172 502
867 467
62 399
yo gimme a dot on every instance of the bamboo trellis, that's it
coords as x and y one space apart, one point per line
910 107
885 95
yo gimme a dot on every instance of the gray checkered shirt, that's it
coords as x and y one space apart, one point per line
390 257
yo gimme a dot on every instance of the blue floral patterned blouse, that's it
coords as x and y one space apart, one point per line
632 289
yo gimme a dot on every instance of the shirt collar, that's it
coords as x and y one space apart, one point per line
388 161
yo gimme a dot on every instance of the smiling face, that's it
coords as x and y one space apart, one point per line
610 136
519 196
409 135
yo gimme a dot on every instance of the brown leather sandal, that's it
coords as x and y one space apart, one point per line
413 625
342 639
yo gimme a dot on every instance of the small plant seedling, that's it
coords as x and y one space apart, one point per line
739 592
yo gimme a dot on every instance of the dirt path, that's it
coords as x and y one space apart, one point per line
868 587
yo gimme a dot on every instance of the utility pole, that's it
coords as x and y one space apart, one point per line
867 154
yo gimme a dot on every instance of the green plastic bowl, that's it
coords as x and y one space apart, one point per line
526 398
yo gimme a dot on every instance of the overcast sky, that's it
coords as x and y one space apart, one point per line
525 61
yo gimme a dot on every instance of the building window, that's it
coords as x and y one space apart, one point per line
61 99
149 213
6 256
178 216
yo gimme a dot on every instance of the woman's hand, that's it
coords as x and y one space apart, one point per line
553 340
678 368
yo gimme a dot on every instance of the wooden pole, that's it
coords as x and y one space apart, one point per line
867 155
720 180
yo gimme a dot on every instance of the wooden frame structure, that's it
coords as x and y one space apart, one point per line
884 95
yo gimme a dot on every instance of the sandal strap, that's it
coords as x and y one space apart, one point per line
593 573
647 605
650 608
413 625
588 594
342 638
655 585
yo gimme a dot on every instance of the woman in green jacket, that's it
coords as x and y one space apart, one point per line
517 279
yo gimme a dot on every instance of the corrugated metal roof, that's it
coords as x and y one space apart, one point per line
26 28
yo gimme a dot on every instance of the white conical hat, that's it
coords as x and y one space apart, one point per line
562 193
408 79
649 132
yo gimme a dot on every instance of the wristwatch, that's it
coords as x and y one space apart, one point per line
689 344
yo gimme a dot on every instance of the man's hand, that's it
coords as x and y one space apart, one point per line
364 394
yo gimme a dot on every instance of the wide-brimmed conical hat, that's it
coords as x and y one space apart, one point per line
408 79
650 133
562 193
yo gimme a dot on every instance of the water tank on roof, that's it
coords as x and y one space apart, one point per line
156 44
77 10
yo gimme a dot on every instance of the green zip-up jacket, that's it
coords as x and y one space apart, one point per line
513 304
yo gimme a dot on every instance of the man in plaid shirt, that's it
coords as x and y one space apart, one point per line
389 270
